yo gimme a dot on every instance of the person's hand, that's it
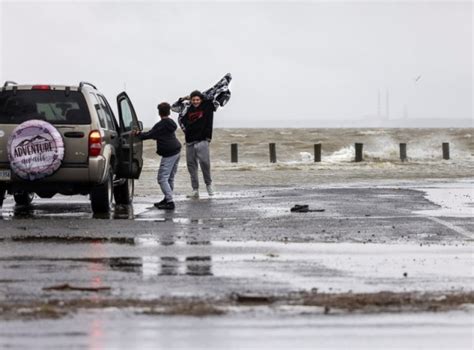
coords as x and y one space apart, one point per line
136 132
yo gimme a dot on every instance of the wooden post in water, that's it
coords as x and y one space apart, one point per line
358 152
273 154
234 153
445 150
317 152
403 152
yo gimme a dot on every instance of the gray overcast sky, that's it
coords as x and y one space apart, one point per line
306 61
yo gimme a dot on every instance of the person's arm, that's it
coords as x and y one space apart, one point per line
180 105
217 90
151 134
182 122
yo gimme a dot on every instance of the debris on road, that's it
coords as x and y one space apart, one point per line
67 287
196 309
252 299
323 303
304 208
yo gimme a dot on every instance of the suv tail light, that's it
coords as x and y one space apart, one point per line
41 87
95 143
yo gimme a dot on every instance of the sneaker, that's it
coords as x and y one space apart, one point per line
194 194
166 206
159 203
210 190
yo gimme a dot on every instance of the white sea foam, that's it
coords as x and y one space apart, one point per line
345 154
306 157
372 132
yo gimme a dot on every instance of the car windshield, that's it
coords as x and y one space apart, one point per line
55 107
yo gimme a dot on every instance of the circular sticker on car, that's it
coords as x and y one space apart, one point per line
35 150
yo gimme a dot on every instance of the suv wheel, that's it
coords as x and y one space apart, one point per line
102 195
23 198
123 193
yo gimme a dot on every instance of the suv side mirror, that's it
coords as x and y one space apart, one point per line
140 125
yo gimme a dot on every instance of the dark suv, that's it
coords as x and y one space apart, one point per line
66 139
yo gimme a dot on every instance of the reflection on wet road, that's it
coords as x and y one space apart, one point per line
63 207
163 266
108 330
135 267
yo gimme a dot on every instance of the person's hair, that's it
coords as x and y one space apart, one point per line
164 109
197 93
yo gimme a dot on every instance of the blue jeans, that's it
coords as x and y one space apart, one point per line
166 174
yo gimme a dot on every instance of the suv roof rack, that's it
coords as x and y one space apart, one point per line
82 83
9 82
12 83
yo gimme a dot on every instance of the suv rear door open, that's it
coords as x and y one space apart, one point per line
131 147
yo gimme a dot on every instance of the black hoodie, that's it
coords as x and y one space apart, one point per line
198 122
163 132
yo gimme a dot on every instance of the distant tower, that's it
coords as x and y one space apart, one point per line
387 105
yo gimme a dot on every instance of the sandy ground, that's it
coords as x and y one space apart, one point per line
392 260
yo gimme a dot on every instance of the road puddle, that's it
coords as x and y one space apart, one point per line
247 264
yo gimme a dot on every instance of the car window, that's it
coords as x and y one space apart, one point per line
100 112
126 115
108 113
53 106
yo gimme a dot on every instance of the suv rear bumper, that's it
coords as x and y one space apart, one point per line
91 173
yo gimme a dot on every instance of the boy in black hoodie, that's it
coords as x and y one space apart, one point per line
196 117
198 123
169 148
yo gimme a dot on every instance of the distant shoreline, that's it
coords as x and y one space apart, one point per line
147 127
346 127
352 125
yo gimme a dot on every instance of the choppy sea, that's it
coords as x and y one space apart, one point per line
295 155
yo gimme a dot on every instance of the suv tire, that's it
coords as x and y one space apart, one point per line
23 198
102 195
123 193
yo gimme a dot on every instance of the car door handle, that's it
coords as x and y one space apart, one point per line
74 134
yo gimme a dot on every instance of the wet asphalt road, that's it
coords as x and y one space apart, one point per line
248 242
104 330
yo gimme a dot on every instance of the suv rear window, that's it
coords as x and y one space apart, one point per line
52 106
